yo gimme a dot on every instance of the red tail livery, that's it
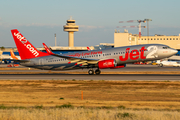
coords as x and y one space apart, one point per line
25 48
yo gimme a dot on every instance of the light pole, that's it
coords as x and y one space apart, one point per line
148 27
55 38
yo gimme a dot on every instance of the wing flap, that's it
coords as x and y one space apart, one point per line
76 59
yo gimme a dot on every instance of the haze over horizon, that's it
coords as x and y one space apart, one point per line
39 20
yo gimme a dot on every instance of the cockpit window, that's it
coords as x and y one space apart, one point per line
166 47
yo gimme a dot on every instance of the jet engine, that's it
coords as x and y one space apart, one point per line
109 63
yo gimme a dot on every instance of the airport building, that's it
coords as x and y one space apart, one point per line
126 39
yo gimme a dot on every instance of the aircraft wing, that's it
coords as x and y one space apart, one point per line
72 59
76 59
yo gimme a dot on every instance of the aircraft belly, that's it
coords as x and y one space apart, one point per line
65 66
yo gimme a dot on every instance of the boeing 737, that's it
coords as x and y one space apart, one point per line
100 59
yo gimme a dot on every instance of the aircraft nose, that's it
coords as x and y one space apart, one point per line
174 51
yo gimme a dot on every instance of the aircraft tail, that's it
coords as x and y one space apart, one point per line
12 55
25 48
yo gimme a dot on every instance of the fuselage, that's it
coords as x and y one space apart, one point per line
121 55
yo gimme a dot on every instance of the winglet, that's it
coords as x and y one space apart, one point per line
88 49
47 49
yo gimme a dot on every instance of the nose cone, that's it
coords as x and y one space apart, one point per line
173 51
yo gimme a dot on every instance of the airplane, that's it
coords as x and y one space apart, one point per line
168 63
101 59
4 56
8 59
171 61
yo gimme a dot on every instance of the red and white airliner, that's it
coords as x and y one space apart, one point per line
100 59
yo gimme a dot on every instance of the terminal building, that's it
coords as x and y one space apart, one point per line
127 39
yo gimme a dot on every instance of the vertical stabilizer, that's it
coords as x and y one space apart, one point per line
25 48
12 55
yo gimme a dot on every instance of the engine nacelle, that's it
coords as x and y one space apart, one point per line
119 66
109 63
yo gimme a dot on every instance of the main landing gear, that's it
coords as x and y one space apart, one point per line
91 72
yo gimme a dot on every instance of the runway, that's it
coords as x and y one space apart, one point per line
89 77
22 74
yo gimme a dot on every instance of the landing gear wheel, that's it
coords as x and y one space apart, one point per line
160 65
98 72
91 72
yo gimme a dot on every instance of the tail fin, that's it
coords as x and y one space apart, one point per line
25 48
12 55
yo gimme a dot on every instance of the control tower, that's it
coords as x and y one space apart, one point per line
71 27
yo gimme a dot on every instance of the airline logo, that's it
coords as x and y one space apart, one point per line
107 63
134 54
21 38
26 44
85 54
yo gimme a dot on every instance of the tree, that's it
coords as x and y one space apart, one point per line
2 48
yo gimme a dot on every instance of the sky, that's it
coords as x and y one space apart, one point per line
39 20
